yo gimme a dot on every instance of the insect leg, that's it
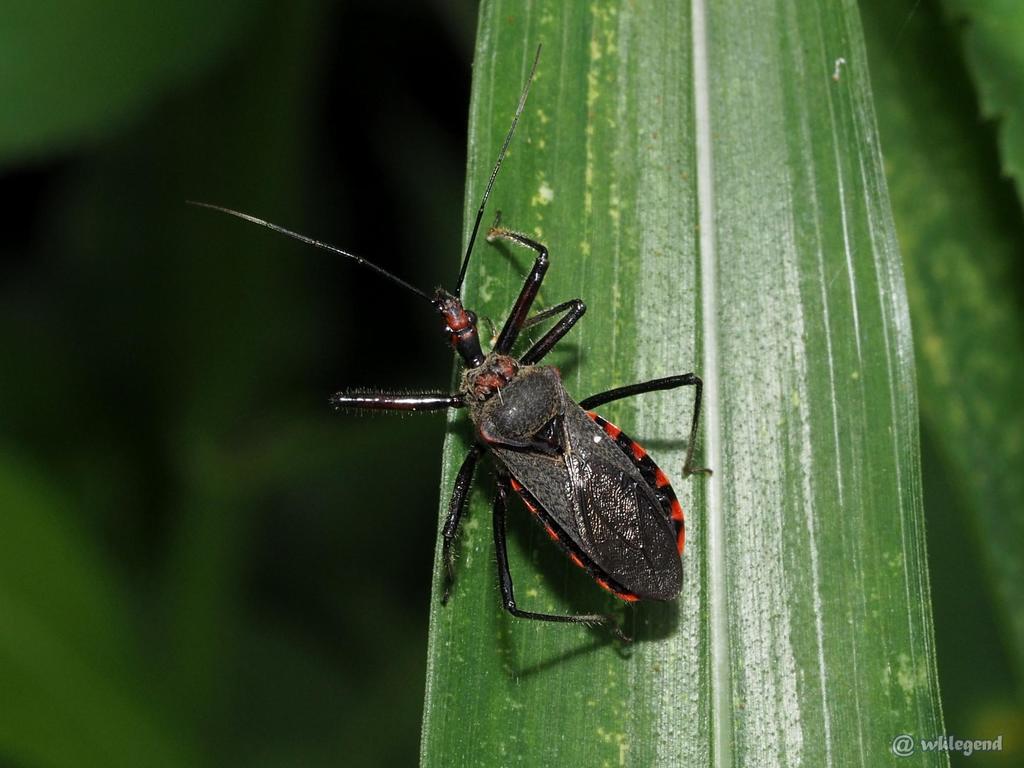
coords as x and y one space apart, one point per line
393 401
544 314
508 599
517 317
455 509
669 382
575 308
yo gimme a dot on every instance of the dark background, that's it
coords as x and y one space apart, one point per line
259 565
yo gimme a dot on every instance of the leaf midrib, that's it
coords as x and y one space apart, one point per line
721 711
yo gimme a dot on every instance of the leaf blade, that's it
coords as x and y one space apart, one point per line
612 134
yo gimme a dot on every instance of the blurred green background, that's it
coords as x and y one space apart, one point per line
199 562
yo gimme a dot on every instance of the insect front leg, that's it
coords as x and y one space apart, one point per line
655 385
394 401
573 309
456 507
508 599
517 317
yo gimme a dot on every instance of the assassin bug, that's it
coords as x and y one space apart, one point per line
596 491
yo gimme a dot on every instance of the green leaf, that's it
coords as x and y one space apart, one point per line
992 40
961 230
716 197
74 71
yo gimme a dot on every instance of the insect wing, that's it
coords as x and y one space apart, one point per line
599 505
618 519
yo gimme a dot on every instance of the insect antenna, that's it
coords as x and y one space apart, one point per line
494 173
316 244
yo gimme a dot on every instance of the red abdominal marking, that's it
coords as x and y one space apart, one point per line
677 510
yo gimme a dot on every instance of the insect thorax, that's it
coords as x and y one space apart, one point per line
521 408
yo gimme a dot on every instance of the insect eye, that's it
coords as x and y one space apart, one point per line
472 317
